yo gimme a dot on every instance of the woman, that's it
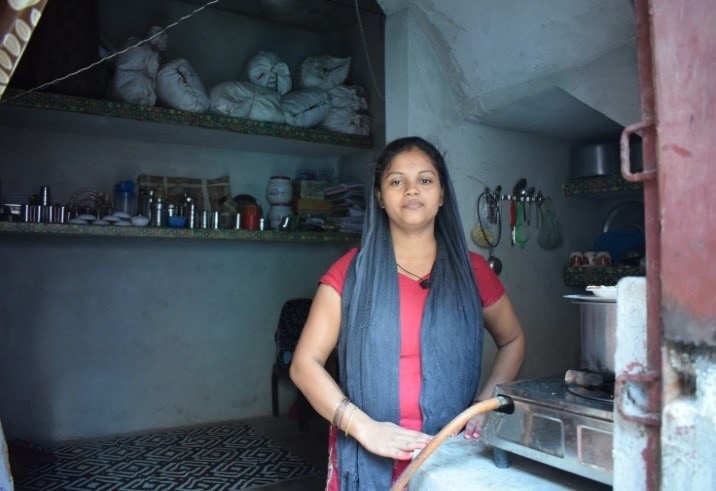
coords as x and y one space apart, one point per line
406 313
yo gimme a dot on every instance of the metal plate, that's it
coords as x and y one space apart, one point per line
628 215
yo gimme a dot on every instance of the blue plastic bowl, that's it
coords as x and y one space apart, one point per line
618 242
177 222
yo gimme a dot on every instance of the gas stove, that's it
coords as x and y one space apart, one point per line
561 424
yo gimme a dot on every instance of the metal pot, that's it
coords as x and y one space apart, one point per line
598 322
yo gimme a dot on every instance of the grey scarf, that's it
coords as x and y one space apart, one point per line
369 343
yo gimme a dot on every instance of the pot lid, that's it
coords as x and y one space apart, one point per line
589 299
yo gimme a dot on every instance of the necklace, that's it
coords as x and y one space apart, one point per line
424 282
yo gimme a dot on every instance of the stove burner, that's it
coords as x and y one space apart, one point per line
591 385
603 393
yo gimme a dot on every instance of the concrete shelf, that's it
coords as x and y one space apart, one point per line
68 230
40 110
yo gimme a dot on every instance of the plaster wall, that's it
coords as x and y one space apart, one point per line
88 355
688 431
419 101
557 68
109 336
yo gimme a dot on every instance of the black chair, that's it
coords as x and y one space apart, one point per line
290 324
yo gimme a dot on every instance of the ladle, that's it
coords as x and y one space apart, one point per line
494 263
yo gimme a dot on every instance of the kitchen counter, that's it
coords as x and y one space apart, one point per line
467 464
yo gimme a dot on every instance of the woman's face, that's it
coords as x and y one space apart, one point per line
410 190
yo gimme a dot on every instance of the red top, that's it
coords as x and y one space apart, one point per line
412 304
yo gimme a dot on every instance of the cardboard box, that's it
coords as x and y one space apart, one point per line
306 207
308 189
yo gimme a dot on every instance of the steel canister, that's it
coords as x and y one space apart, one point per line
191 215
60 214
215 220
45 196
158 212
204 219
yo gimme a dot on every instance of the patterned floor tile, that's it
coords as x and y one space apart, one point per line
218 457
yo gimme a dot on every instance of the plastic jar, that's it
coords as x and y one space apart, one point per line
125 199
279 190
276 214
250 217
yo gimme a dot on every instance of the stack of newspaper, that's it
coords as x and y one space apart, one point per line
348 205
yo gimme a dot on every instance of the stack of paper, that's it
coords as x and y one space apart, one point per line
348 200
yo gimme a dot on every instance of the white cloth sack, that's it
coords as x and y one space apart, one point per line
267 70
350 96
346 120
179 87
306 108
136 70
246 100
323 72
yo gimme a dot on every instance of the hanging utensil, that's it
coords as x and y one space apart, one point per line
538 199
550 235
480 235
493 199
522 231
494 263
516 194
513 222
530 199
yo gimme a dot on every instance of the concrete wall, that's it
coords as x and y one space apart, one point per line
100 336
109 336
419 102
555 67
104 336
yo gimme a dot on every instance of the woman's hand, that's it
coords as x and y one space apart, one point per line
390 440
473 428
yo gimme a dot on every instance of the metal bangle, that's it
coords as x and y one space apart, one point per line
350 418
338 410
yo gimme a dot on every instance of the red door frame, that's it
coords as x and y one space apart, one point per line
677 64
